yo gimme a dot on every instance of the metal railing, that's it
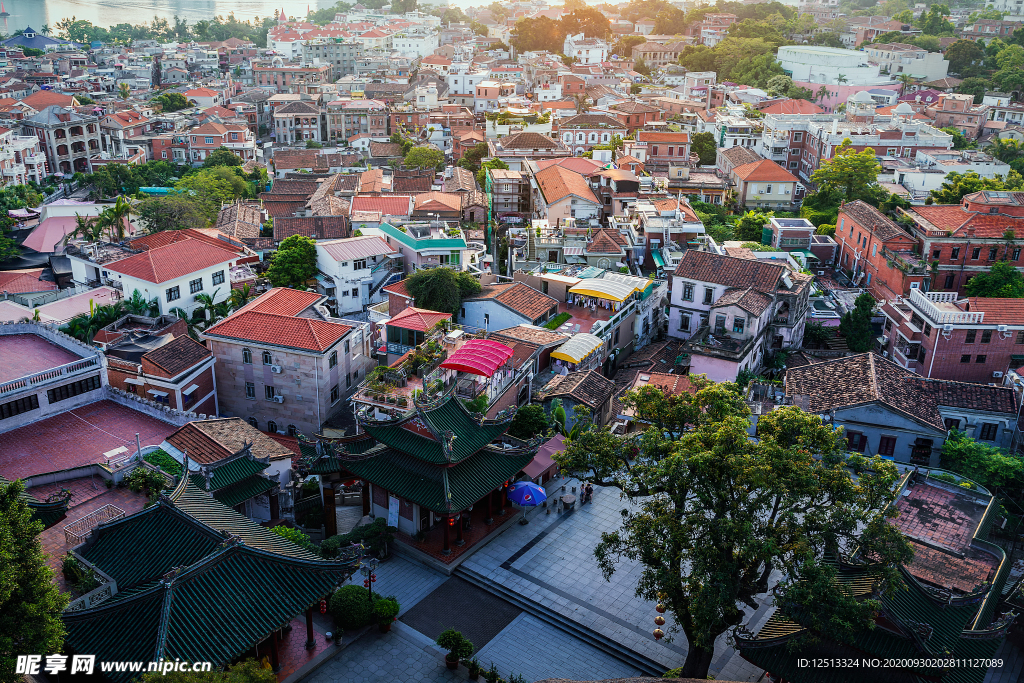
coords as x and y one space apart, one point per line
45 376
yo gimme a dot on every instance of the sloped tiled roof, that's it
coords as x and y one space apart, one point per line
356 248
750 300
178 355
379 150
792 107
412 184
519 297
870 218
275 322
388 205
22 281
172 261
590 387
243 221
437 201
462 180
703 266
418 319
591 121
525 140
318 227
764 171
210 441
604 242
557 183
867 378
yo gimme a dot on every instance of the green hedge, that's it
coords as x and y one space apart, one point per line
162 459
351 608
557 321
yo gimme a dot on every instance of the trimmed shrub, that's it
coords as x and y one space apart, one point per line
162 459
374 536
350 606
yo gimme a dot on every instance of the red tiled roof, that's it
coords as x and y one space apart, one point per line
998 311
961 223
418 319
399 288
388 205
764 171
21 281
271 319
172 261
438 201
792 107
654 136
166 237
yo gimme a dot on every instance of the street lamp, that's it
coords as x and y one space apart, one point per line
367 569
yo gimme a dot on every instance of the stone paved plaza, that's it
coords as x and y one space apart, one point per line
550 562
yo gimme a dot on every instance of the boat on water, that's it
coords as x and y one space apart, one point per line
4 12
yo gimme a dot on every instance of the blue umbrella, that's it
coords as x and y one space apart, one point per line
527 494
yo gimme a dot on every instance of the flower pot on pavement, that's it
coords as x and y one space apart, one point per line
452 664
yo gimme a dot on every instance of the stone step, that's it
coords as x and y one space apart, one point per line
1012 670
645 664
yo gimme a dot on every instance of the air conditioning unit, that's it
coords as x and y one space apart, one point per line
821 272
1001 328
276 369
279 399
997 374
947 328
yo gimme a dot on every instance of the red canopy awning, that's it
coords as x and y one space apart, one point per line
479 357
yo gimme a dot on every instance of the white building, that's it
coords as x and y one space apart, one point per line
586 50
173 274
359 268
900 58
414 44
816 64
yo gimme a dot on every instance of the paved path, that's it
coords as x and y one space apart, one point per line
551 561
526 646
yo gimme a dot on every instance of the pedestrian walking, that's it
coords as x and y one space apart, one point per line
590 493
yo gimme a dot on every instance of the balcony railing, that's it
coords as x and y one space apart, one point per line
927 304
61 371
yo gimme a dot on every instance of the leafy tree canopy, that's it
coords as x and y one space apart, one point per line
172 101
989 466
294 262
750 225
30 602
1002 280
441 289
855 325
222 157
530 421
958 185
704 146
424 157
963 55
850 171
703 548
173 212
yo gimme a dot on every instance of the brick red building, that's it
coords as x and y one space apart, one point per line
636 115
962 240
938 335
877 253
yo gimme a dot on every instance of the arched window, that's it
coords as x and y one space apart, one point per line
254 422
247 356
293 430
267 358
272 426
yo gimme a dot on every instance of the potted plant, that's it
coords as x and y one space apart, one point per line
474 668
491 675
386 610
457 645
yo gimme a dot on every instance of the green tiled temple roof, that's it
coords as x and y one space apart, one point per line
186 614
908 603
447 415
441 489
244 490
229 473
47 513
203 507
143 547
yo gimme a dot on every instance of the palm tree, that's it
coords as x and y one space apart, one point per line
822 93
88 228
581 100
137 304
45 29
905 80
124 90
841 79
117 218
240 296
209 307
193 321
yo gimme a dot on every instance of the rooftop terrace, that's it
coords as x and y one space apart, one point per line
941 523
27 354
75 438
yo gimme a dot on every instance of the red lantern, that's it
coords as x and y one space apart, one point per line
660 608
366 583
373 577
323 607
451 522
658 634
659 620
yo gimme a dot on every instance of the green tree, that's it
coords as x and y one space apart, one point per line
30 602
749 226
471 158
541 33
640 66
1009 80
851 171
424 157
171 101
124 91
222 156
245 671
958 185
704 549
173 212
591 22
963 55
294 262
934 22
974 86
1010 57
623 47
960 141
989 466
779 85
530 421
855 325
441 289
481 175
1002 280
219 184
